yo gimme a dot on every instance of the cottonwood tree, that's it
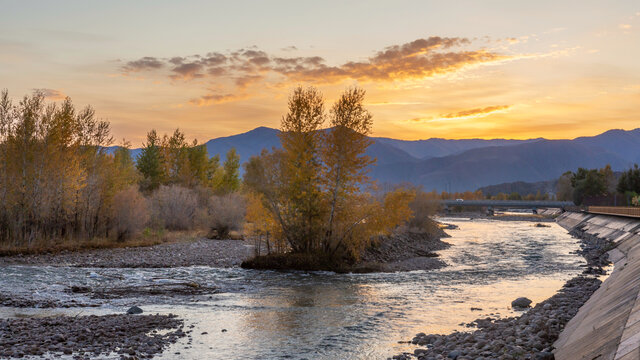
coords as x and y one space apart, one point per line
315 188
57 180
301 168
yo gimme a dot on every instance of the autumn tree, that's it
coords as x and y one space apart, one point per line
315 187
344 160
58 180
300 139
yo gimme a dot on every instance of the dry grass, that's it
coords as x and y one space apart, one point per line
146 238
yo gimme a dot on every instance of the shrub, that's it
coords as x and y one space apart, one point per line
423 208
174 207
130 213
226 213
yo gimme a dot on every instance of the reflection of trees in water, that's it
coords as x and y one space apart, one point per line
304 314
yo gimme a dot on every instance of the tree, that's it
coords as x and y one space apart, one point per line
564 190
629 181
57 180
301 168
199 164
230 181
609 178
587 182
344 160
314 188
150 163
629 184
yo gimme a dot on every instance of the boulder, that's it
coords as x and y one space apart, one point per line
134 310
521 303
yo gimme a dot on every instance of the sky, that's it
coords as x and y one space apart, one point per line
449 69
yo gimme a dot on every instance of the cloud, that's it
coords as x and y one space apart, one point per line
418 59
187 71
52 94
142 64
289 48
211 99
464 114
477 112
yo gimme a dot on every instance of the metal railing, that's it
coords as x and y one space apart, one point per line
615 210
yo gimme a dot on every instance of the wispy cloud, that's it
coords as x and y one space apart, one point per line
211 99
52 94
142 64
465 114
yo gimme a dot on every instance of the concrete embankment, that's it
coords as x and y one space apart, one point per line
607 326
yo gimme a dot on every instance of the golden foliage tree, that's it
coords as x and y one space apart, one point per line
315 189
58 181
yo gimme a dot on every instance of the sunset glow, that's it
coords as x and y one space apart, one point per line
469 69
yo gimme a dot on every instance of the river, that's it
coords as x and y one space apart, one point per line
296 315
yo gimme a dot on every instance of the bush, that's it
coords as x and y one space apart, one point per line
130 213
226 213
174 207
423 208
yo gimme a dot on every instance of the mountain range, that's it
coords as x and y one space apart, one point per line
468 164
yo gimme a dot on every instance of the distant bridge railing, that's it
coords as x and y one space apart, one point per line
508 203
615 210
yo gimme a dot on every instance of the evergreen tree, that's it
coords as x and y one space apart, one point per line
150 163
231 176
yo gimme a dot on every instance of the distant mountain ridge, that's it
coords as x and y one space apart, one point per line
459 165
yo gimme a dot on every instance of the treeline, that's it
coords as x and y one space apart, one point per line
600 186
479 195
58 181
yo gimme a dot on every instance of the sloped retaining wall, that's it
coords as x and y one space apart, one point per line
607 327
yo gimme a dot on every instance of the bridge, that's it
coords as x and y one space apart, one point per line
510 204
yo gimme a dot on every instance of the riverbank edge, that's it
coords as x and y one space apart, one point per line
403 250
529 336
608 325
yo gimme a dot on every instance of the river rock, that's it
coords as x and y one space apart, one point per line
521 303
134 310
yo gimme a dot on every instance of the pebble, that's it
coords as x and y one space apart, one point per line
120 333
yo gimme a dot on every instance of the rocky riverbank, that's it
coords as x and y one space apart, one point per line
87 337
529 336
406 251
202 252
403 250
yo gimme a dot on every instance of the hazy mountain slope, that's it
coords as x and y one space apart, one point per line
536 161
437 147
625 144
466 164
246 144
521 187
252 142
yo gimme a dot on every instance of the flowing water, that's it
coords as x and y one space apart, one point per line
296 315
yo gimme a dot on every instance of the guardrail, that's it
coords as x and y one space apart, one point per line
615 210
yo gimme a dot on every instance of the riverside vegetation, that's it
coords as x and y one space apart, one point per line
63 186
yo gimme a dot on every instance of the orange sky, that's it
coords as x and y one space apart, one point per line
470 69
